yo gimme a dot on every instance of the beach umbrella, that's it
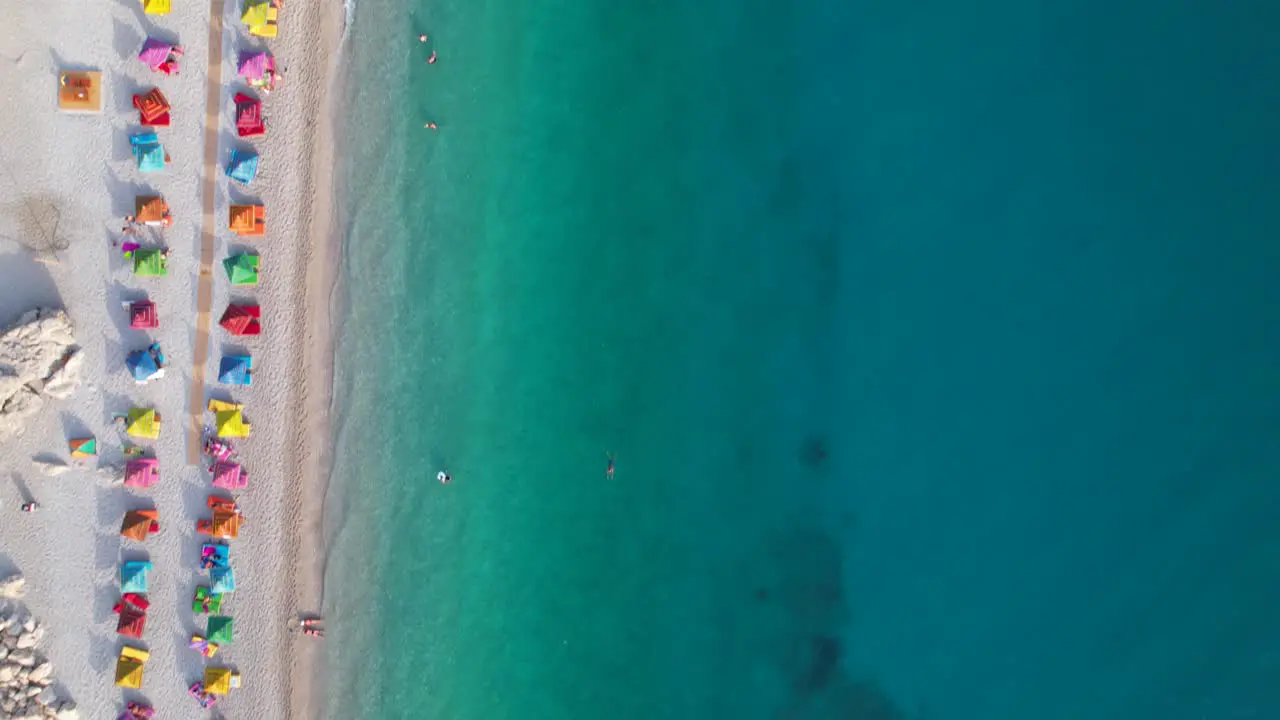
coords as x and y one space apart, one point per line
236 370
154 52
132 610
242 320
143 423
140 524
249 116
149 152
220 680
141 472
133 577
222 580
151 210
205 601
150 263
153 108
144 365
143 315
131 624
84 447
242 269
254 65
129 667
243 166
219 630
231 424
156 7
247 220
213 555
229 476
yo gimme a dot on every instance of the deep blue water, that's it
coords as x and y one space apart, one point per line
934 344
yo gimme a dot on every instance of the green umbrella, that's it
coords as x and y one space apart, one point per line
242 269
150 263
219 630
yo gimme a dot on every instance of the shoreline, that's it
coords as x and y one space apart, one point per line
316 334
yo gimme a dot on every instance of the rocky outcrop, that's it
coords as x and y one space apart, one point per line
26 676
12 587
39 361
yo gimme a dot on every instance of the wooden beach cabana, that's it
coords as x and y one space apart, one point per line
80 91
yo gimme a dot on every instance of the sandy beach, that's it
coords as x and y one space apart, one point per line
68 181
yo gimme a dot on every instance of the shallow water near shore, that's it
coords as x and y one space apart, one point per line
935 354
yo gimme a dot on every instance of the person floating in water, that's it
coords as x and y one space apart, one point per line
432 60
431 126
422 38
608 472
443 477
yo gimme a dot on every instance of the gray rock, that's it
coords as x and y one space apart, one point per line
30 624
12 587
4 651
26 640
40 672
41 360
8 672
46 695
38 634
25 658
34 691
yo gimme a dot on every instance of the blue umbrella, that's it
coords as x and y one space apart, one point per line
236 370
144 366
243 166
222 580
149 151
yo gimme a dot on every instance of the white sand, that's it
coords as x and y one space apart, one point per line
71 549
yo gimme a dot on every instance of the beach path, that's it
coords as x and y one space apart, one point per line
204 290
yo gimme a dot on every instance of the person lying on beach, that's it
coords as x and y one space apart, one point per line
30 507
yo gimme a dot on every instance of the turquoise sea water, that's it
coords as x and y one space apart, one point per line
935 345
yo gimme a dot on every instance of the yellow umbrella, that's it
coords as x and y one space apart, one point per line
156 7
255 13
129 667
220 680
231 424
144 423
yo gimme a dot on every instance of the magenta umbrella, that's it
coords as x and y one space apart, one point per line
154 52
255 65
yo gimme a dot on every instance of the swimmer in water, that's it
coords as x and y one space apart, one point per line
422 38
443 477
432 60
608 473
431 126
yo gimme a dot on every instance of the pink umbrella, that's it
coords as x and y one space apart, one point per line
154 53
254 66
229 476
142 473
